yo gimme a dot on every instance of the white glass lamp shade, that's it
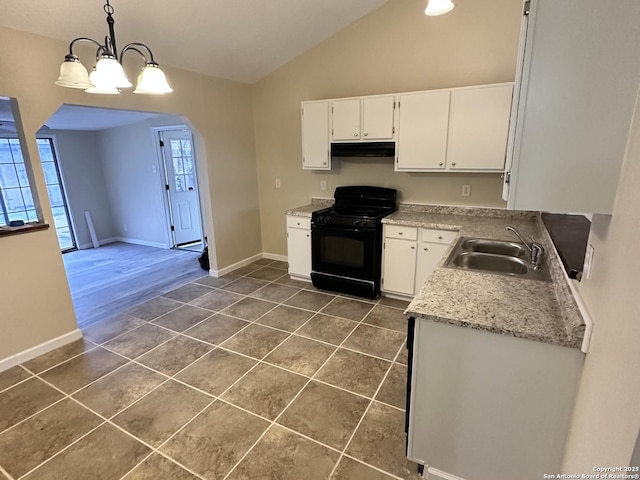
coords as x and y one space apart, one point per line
73 74
152 81
101 85
438 7
110 71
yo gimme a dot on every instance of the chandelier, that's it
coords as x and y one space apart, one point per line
108 76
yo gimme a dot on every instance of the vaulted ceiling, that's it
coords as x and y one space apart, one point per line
242 40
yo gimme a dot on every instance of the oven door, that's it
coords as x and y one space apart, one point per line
344 251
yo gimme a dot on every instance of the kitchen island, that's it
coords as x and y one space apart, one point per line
494 360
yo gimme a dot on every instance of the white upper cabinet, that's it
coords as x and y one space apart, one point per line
573 104
315 136
454 129
346 119
478 127
459 129
422 131
366 118
377 118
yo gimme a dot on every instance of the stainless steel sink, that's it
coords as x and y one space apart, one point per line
497 247
494 256
491 263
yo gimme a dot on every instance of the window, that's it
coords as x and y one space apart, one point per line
182 156
16 201
57 197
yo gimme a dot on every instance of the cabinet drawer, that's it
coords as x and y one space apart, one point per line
298 222
398 231
438 236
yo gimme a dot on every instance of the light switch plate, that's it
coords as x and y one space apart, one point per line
278 184
588 262
323 184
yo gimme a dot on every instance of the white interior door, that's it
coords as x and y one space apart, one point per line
182 186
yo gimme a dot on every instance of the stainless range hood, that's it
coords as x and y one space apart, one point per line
363 149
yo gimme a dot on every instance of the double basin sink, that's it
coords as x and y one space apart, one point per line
495 256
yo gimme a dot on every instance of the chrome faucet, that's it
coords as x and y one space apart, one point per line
535 248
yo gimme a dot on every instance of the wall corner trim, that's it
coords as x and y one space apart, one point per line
33 352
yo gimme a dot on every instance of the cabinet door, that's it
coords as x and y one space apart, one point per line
377 118
478 128
299 251
576 102
429 254
315 136
399 266
346 119
422 131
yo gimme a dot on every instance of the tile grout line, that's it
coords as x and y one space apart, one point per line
214 398
5 473
274 421
365 412
107 420
32 415
218 397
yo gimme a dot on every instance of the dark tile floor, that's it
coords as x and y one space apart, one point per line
248 376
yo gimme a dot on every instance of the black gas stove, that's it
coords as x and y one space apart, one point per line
346 240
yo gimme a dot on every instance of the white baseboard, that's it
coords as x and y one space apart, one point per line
133 241
275 256
246 261
435 474
235 266
33 352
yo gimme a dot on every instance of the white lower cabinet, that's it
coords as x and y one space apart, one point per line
399 266
409 256
299 246
485 406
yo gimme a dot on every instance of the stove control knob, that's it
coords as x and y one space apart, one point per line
357 223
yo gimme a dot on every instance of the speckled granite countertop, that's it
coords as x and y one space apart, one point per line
307 210
535 310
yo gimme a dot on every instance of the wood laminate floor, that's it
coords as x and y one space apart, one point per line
111 279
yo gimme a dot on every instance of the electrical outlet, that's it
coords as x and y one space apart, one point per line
154 169
125 227
278 183
466 190
323 184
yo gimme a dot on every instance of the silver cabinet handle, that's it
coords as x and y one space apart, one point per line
366 134
453 164
426 249
441 164
307 235
440 237
355 134
298 223
324 163
399 233
413 247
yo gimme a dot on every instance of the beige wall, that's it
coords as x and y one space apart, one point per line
394 49
607 415
83 178
33 283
